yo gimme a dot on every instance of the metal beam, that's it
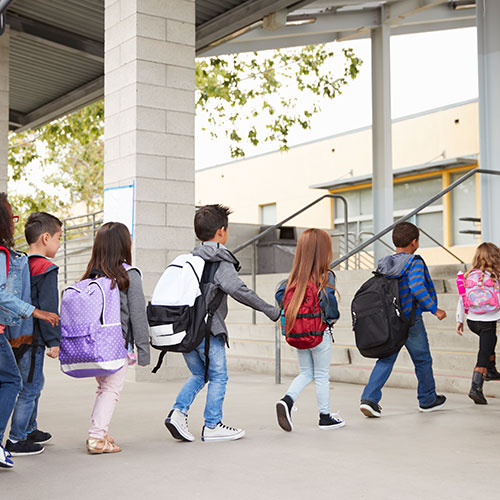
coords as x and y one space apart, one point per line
342 26
399 11
56 37
16 118
241 17
76 99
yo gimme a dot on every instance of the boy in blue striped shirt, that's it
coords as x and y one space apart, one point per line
415 285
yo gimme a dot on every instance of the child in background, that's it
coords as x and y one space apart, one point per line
42 232
14 285
112 257
311 264
482 318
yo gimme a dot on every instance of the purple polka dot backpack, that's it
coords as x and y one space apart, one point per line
92 343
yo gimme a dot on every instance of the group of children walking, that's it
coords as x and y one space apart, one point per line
307 305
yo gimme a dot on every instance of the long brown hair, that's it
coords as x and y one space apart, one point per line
487 258
311 263
112 248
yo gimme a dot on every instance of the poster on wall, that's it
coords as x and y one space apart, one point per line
119 205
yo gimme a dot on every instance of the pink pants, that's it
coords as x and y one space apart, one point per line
108 392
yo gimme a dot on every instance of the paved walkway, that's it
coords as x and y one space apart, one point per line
406 455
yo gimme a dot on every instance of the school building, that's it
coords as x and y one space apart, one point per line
430 150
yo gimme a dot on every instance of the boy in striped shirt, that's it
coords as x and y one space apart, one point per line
415 286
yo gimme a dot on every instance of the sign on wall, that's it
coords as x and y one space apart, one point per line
119 205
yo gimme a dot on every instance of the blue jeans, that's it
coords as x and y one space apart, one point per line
10 383
217 377
24 416
418 348
314 365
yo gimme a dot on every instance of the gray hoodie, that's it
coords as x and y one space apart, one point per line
394 265
227 279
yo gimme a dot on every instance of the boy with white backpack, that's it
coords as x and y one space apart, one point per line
479 292
211 228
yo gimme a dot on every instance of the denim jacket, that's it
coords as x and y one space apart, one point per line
327 300
15 295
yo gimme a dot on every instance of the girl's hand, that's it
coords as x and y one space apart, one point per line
460 328
49 317
53 352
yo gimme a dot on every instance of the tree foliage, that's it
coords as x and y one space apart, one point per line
252 99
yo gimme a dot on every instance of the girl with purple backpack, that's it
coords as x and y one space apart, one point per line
112 257
479 292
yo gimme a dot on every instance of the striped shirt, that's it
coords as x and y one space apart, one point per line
415 282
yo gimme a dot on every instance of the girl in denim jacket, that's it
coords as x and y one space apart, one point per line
312 262
14 311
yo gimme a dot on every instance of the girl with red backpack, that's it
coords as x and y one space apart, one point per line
479 292
309 311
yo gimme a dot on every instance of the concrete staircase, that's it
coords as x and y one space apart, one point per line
253 346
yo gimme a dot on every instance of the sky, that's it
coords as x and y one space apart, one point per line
428 70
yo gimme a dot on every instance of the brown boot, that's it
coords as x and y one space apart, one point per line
476 390
491 372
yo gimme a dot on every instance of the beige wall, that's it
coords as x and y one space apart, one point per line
284 178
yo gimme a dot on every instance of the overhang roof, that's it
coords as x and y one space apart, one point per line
57 46
462 161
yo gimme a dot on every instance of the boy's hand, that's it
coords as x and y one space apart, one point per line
53 352
460 328
49 317
440 314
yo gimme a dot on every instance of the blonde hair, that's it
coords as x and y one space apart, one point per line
312 262
487 258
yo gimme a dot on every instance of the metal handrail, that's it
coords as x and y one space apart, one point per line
441 245
431 200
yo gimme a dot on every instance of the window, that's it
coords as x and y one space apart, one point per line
268 214
463 204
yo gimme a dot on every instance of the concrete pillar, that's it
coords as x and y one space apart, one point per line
149 123
381 133
488 34
4 109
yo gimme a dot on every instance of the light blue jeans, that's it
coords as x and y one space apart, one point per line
314 365
217 378
25 411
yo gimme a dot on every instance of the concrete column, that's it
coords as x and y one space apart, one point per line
488 34
4 109
149 123
381 133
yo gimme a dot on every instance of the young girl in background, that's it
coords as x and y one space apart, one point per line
17 313
311 271
482 283
111 257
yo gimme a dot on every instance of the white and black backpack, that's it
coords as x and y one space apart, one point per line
182 306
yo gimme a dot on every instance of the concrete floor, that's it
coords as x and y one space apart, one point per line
450 454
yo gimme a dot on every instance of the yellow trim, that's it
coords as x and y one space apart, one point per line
446 211
406 178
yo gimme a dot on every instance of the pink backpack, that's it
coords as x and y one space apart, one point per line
481 293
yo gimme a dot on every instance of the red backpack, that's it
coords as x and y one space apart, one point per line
308 329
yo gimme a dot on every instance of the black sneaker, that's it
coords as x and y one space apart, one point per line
38 436
330 421
370 409
284 413
437 405
25 447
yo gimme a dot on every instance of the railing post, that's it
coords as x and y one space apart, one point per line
254 278
277 350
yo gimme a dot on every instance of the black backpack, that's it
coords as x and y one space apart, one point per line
379 324
195 320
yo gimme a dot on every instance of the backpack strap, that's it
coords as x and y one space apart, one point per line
7 254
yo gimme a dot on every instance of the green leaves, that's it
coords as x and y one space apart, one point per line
234 90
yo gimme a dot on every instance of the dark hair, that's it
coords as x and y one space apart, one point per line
112 248
6 227
404 233
39 223
209 219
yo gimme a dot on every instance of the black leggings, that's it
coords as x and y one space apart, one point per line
487 331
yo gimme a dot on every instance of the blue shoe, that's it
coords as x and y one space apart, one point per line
5 460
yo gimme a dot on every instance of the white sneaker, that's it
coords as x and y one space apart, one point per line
221 432
177 424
